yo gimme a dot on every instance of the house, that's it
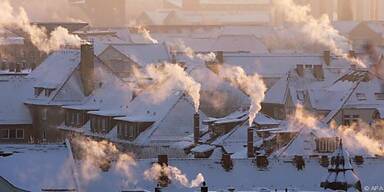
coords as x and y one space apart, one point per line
273 66
296 88
30 167
122 58
367 32
51 89
15 119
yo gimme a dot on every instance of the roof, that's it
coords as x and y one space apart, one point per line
139 52
46 74
238 2
37 167
244 176
239 43
14 91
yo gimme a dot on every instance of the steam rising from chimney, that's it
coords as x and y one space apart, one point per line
189 52
146 34
318 30
9 18
357 138
168 77
253 86
174 174
101 153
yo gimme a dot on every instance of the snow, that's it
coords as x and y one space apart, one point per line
140 53
245 175
14 91
36 167
202 148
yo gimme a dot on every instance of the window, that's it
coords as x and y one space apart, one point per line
350 119
4 133
38 91
12 134
19 133
44 114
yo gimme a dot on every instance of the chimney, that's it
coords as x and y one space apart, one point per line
204 187
220 57
196 128
327 57
300 70
173 56
158 188
162 160
226 161
18 68
3 65
86 68
352 54
262 161
318 72
250 150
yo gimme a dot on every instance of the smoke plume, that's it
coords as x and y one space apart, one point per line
318 30
146 34
180 46
18 19
98 155
174 174
357 138
166 78
253 86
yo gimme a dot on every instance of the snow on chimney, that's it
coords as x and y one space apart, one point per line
196 128
250 150
318 72
300 69
327 57
87 68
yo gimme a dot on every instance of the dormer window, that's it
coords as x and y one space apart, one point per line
38 90
47 92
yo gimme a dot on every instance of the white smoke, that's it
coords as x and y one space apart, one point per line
174 174
180 46
253 86
318 30
18 19
166 78
95 154
146 34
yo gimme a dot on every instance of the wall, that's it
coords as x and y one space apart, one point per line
28 132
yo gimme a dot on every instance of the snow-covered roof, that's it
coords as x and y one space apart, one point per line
37 167
14 91
244 176
345 27
239 43
56 68
144 54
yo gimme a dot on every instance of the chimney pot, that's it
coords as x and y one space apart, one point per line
250 150
220 57
327 57
196 128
